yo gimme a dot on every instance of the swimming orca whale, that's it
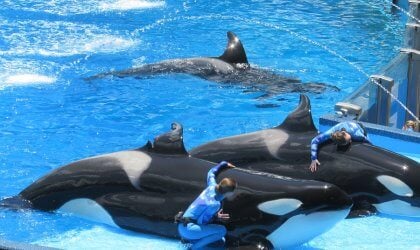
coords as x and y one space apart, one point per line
231 67
143 189
378 180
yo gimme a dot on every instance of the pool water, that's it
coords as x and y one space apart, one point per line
51 116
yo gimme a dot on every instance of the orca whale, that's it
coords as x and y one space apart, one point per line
143 189
378 180
231 67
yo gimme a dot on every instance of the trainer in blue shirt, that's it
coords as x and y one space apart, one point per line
341 134
195 224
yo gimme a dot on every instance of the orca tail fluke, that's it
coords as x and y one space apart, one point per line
333 88
15 203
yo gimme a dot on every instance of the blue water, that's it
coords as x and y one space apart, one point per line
50 116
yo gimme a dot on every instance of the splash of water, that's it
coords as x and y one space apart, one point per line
408 14
27 79
77 7
403 11
130 5
163 21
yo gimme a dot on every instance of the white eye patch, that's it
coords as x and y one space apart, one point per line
395 185
280 206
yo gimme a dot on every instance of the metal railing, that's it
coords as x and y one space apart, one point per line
400 78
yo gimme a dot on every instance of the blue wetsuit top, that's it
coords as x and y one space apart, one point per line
356 132
208 203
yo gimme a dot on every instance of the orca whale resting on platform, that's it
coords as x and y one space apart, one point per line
143 189
231 67
378 180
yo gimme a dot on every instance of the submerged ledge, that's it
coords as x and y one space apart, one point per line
11 245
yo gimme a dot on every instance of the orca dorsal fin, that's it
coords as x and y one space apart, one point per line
300 120
234 52
170 142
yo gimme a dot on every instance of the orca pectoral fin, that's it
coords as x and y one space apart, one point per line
360 213
318 88
257 243
256 246
362 209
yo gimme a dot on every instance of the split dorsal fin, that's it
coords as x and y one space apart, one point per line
234 52
300 119
170 142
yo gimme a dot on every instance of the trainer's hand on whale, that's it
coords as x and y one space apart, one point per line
226 165
230 165
314 165
222 216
